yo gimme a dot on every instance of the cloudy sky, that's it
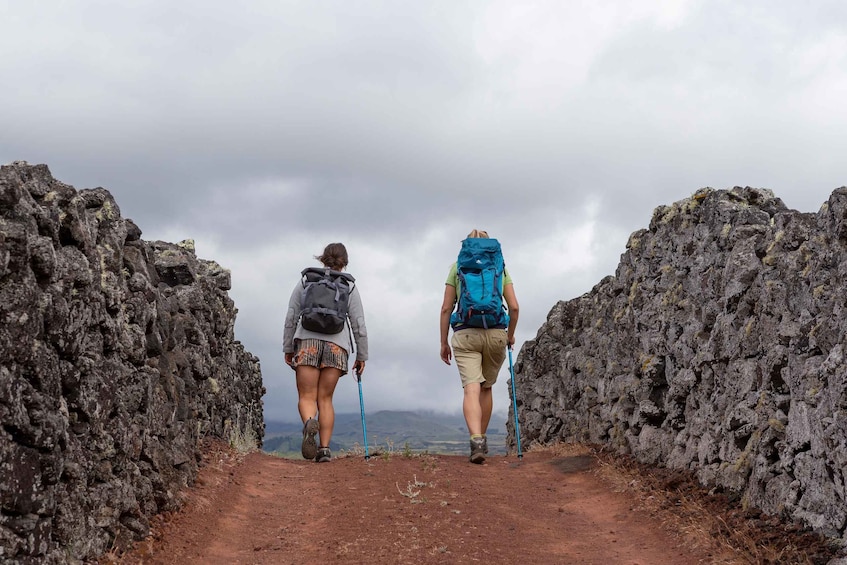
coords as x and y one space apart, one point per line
266 129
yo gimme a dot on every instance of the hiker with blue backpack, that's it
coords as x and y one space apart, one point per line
481 307
324 319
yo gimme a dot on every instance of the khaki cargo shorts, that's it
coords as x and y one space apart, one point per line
479 354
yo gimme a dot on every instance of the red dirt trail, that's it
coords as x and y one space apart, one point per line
548 507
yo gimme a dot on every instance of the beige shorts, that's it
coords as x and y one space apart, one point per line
479 354
321 354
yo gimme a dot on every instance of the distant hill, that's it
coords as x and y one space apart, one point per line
390 430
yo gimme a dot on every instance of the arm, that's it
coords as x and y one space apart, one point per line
291 319
446 310
356 315
512 303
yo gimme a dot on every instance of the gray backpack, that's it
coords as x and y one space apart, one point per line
324 303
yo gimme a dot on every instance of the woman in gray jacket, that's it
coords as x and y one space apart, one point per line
320 359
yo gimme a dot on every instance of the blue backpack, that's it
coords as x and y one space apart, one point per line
480 268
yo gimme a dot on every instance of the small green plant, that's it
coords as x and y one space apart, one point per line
407 450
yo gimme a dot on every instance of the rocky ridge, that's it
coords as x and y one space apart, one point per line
717 347
117 359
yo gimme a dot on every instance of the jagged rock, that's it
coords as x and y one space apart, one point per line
718 347
117 357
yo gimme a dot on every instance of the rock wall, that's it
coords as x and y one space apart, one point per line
718 346
117 359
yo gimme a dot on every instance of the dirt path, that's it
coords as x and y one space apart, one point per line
546 508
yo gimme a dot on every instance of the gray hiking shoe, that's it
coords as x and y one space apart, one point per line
309 448
324 455
485 444
477 450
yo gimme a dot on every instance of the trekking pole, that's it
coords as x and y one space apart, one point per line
362 408
515 404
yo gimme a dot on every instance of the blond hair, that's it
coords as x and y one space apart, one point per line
478 233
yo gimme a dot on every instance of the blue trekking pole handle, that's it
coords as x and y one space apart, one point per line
515 404
362 409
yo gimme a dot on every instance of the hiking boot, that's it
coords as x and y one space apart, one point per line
309 447
324 455
477 450
485 444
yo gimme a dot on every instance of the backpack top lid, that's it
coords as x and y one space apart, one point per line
480 253
314 274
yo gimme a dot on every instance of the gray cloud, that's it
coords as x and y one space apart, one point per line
264 132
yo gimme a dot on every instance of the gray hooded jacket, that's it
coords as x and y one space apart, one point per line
355 320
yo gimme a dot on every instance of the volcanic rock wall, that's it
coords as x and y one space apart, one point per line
718 346
117 359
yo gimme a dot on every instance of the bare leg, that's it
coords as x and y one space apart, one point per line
307 390
486 402
326 388
473 409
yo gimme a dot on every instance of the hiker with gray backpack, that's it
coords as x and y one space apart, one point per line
324 319
484 319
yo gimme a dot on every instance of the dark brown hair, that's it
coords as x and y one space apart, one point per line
334 256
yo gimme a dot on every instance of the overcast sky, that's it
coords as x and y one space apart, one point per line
264 130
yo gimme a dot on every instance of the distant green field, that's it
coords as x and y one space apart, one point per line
389 431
